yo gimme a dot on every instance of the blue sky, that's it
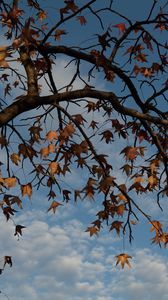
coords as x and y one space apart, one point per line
55 258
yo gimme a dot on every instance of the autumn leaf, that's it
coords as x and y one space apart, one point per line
7 260
18 230
130 152
117 225
92 230
54 206
26 190
16 200
42 15
141 57
156 226
51 135
66 194
53 167
3 142
15 158
121 27
8 211
153 181
120 209
82 20
10 182
33 3
59 33
93 124
44 152
107 135
123 259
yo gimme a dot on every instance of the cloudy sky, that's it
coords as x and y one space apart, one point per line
56 259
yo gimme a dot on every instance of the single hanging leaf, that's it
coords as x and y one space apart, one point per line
18 229
117 225
123 259
26 190
54 206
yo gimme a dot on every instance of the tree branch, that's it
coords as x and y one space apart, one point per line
27 103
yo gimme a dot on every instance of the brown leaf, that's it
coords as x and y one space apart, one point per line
121 27
59 33
92 230
18 229
123 259
53 167
7 260
117 225
82 20
26 190
15 158
54 206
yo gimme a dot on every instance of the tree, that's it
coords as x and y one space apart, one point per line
48 129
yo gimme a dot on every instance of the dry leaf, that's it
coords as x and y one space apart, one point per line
123 259
26 190
54 206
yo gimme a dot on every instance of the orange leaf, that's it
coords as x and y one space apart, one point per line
51 135
157 226
15 158
121 27
26 190
58 34
44 152
53 167
54 206
141 57
82 20
10 182
41 15
123 259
